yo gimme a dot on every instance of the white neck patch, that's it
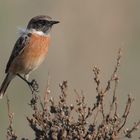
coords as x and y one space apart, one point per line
38 32
23 31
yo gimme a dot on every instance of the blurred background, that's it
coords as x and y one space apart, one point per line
90 33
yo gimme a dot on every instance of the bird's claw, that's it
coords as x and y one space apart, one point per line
34 86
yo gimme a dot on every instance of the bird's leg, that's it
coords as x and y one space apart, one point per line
33 84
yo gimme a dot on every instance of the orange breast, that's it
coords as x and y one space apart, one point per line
33 54
38 47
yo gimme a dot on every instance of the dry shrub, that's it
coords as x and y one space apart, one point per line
54 121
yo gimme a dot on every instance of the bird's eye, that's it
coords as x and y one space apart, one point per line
42 22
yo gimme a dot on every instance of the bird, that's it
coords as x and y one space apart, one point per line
30 50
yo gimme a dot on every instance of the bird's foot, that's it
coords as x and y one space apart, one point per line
33 86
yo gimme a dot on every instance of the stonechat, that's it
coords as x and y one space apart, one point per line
29 51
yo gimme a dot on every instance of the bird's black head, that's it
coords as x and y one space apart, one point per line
41 23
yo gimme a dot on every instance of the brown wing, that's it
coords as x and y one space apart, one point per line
21 43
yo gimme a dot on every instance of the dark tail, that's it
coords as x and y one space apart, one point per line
5 84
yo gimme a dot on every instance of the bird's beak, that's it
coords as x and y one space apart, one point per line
54 22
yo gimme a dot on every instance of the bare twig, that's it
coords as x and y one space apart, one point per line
11 135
